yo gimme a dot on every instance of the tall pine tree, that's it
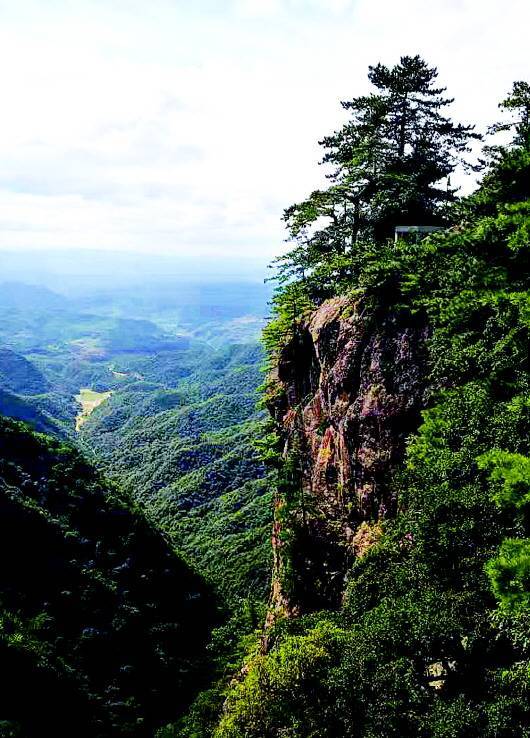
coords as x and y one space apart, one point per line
391 165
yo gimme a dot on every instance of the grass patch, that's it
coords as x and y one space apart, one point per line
89 401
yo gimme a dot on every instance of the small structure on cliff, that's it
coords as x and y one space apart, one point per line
402 231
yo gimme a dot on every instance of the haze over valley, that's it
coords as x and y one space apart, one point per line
264 369
155 378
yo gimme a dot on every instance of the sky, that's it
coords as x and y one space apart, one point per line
186 127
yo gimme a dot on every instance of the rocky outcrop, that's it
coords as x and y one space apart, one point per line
350 391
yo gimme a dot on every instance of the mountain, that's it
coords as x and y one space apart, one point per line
171 373
14 406
19 375
175 426
102 626
26 394
17 295
181 440
393 468
399 389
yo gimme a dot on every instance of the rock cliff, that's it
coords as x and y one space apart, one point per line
349 391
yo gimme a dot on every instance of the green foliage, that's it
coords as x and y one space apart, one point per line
103 628
178 432
517 106
513 473
290 304
230 644
389 160
509 572
284 689
19 375
432 639
182 442
424 649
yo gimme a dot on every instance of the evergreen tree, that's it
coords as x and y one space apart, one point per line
420 647
507 177
392 163
518 105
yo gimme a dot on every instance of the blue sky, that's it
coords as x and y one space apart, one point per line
187 127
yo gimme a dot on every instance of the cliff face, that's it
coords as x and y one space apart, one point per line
350 393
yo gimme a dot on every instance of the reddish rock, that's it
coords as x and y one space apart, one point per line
352 393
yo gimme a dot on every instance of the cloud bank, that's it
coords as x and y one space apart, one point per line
187 128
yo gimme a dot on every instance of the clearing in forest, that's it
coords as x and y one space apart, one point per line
89 401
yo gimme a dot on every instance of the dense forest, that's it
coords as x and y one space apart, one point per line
389 457
103 629
174 428
425 632
182 442
179 419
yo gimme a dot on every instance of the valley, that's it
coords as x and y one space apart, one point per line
167 407
232 511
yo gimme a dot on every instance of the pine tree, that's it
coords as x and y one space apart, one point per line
517 104
507 164
391 165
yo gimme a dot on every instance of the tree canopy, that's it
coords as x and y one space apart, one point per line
431 639
392 162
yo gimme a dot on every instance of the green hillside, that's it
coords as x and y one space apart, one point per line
102 626
431 639
181 440
179 424
17 374
32 410
351 562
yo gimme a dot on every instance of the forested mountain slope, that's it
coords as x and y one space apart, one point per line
178 430
102 627
399 450
180 421
17 374
181 440
401 583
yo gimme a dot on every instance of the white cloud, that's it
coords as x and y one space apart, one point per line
171 126
259 8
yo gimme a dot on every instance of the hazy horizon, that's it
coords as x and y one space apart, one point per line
86 270
188 128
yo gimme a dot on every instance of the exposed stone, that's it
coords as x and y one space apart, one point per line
366 536
352 393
